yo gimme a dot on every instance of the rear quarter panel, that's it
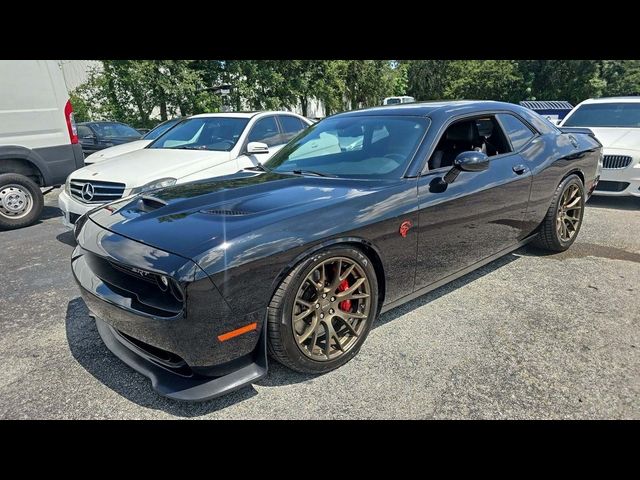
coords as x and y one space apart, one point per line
552 157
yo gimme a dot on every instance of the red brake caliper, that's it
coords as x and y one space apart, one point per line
345 305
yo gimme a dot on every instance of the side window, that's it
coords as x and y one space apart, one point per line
291 126
266 131
84 131
518 132
481 133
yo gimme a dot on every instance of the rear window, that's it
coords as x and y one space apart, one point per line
605 115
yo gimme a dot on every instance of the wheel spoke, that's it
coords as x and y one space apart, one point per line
323 276
302 315
336 280
313 328
574 204
345 321
304 302
347 272
355 296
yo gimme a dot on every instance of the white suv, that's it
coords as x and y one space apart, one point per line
202 146
616 124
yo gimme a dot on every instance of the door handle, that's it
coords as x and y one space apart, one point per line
519 169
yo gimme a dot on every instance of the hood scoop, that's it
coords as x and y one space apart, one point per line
147 203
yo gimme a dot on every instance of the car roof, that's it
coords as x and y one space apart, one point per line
613 100
99 122
241 114
433 108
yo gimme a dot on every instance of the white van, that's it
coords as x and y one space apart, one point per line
38 139
398 100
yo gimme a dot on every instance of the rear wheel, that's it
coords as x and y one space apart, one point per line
323 310
563 220
21 201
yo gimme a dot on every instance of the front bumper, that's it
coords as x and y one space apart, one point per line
171 340
196 388
620 182
72 209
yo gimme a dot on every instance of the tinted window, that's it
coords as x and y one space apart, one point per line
605 115
518 132
160 129
84 131
266 131
540 123
205 133
355 147
110 130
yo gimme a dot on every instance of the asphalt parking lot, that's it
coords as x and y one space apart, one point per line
527 336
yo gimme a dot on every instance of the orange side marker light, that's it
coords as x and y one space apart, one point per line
238 331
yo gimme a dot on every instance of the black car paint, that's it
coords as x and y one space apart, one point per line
93 144
229 241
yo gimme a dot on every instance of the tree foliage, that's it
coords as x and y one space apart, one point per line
142 92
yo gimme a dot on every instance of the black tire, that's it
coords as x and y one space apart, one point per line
548 237
282 344
34 209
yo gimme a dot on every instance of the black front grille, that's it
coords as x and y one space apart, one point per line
146 290
89 191
616 161
607 186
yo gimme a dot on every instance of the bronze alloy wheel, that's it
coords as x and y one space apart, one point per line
331 308
569 216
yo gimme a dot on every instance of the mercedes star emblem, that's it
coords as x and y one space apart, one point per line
87 192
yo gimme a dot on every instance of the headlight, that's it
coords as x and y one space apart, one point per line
67 186
163 182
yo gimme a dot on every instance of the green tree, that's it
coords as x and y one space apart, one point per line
81 112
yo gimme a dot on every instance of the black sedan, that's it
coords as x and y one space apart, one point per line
94 136
193 284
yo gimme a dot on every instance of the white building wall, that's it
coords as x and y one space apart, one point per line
76 72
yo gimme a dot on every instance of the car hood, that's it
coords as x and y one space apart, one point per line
622 138
142 166
192 218
116 150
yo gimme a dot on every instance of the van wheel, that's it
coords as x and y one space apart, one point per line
21 201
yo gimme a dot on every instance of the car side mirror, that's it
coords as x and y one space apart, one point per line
471 161
257 147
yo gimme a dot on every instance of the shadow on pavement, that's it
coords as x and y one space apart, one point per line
67 238
88 349
619 203
50 212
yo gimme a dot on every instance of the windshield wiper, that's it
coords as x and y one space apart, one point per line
311 172
187 147
259 167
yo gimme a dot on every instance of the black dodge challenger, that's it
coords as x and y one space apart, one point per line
192 285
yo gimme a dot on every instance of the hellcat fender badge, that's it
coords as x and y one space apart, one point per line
404 228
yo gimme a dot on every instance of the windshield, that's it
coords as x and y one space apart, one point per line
354 147
605 115
393 101
110 130
207 133
160 129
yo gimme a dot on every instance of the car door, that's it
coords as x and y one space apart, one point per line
476 216
265 130
87 139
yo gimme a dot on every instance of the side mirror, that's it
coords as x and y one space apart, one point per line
470 161
257 147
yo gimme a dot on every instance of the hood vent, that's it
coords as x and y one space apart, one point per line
147 203
224 213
